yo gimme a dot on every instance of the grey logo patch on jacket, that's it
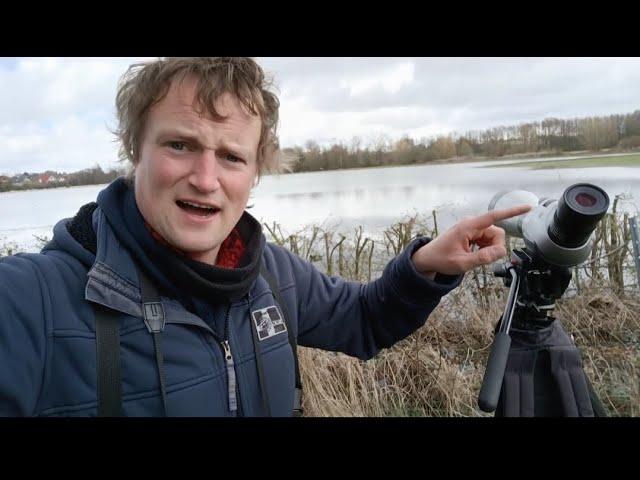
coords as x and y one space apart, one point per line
268 322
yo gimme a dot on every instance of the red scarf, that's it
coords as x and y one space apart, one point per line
230 252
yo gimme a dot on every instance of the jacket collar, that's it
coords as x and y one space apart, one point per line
113 281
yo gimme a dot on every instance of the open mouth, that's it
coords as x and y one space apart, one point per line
197 209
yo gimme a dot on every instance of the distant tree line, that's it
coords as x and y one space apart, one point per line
52 179
94 176
551 135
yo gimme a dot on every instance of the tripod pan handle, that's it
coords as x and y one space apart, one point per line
494 374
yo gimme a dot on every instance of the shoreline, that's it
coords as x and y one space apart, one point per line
517 158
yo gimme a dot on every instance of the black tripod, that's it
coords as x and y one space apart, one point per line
534 368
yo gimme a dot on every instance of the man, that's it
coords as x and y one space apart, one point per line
144 303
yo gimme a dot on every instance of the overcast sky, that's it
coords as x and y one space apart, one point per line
55 113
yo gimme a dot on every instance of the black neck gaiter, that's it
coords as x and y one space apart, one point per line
175 275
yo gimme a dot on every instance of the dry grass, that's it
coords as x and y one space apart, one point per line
438 370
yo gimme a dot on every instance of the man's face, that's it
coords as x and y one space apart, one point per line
186 159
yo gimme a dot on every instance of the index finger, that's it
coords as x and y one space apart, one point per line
494 216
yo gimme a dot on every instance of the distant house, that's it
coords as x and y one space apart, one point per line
21 179
4 179
44 178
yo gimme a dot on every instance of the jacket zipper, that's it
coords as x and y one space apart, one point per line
231 376
231 372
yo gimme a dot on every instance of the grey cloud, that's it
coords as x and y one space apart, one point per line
529 87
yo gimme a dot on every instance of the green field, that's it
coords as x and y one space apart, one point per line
622 161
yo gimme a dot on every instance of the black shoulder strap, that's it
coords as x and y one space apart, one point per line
261 376
297 407
108 363
154 319
108 349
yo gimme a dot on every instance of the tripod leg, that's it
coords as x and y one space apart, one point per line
566 368
547 398
596 403
517 394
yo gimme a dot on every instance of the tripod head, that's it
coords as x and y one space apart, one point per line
534 287
540 284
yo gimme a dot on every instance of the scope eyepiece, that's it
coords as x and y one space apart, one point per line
579 210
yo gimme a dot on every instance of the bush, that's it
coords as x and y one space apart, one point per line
630 142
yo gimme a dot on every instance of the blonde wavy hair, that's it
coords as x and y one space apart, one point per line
145 84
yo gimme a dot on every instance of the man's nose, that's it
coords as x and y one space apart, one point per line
205 172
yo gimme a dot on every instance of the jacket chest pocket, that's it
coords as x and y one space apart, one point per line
193 370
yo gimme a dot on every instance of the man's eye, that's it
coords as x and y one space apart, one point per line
177 145
233 158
